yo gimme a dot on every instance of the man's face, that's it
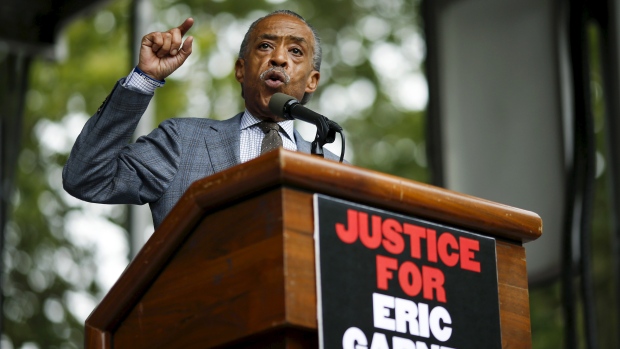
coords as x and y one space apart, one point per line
278 59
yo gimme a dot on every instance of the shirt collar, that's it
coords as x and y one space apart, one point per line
248 120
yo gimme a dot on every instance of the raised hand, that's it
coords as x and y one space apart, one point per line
161 53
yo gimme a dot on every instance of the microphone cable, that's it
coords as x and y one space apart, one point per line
334 127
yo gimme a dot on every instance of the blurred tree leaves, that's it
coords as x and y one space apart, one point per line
50 275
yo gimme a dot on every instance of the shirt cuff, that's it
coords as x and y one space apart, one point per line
138 80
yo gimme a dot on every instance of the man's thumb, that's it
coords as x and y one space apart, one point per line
186 49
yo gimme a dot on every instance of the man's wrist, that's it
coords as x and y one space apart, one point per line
140 81
142 73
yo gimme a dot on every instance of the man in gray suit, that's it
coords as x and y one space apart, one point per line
280 53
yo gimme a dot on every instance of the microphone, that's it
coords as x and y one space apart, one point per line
287 107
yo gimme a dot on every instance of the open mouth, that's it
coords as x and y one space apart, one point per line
275 78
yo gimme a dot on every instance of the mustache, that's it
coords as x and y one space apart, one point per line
280 70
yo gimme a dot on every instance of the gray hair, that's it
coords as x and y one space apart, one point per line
317 54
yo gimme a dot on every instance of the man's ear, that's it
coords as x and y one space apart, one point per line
313 81
239 70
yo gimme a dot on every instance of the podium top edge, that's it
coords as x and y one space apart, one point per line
372 188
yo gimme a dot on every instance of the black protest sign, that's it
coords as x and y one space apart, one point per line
387 281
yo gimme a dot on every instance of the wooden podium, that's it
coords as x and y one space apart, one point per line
233 263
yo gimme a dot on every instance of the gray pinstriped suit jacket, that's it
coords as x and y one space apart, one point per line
157 169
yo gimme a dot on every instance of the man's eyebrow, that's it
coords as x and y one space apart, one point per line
297 39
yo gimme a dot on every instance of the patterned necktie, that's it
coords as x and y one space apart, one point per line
272 138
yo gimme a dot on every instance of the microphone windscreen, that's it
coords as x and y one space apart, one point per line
277 103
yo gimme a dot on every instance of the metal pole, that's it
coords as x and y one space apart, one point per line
140 222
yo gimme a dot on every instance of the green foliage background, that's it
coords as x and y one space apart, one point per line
51 277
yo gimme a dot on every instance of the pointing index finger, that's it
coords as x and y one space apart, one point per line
186 26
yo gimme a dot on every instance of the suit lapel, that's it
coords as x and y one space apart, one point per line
302 145
222 142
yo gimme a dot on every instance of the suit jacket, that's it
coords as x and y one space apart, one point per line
104 167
